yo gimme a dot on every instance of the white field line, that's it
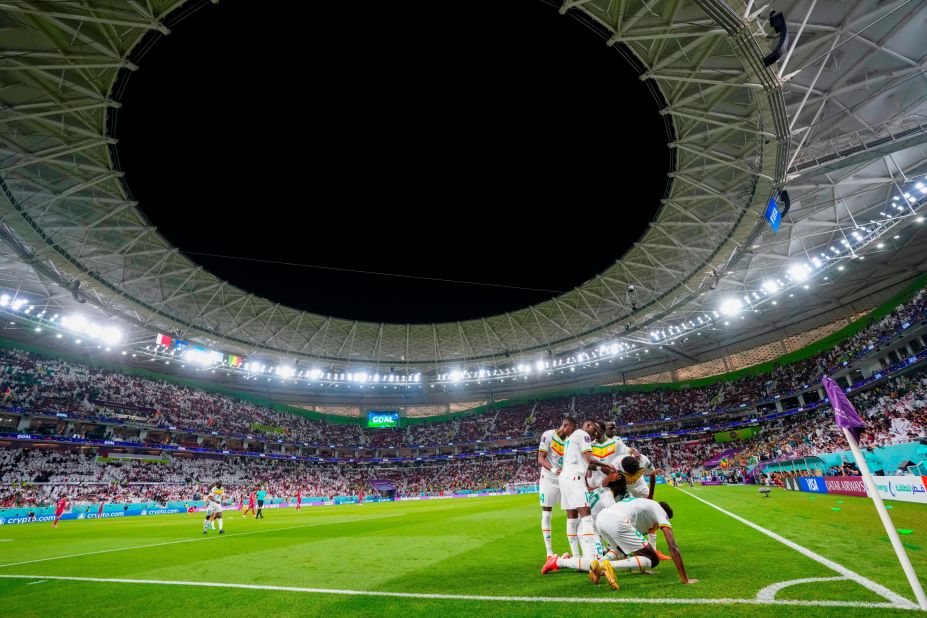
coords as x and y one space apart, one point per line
895 598
468 597
769 592
200 538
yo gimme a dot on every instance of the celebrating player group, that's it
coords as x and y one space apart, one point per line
600 482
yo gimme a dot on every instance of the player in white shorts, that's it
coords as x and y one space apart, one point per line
637 468
609 450
550 458
624 525
214 507
577 460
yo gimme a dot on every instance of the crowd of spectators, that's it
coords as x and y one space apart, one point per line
35 477
895 411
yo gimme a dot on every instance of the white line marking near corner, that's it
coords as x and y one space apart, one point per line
896 599
41 581
769 592
208 538
467 597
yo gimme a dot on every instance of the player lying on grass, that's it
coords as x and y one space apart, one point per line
623 526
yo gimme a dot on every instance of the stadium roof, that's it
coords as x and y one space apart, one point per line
840 121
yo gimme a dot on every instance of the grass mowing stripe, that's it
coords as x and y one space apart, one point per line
208 538
469 597
898 600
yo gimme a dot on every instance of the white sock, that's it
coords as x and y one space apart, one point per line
212 524
573 563
588 539
652 537
545 531
572 538
632 564
220 524
205 525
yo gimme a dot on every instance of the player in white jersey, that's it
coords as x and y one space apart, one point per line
634 470
608 450
214 507
550 458
577 460
624 525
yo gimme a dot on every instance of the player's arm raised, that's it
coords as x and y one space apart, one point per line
677 556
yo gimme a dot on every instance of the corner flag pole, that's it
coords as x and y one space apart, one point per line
849 421
886 520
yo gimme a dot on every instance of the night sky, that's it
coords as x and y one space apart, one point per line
497 143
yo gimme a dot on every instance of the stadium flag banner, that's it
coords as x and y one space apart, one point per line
813 484
846 485
737 434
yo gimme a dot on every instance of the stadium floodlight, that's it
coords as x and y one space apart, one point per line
314 374
4 300
770 286
456 376
799 272
111 335
731 306
361 377
18 303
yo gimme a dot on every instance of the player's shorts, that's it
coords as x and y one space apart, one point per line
213 508
599 499
550 492
260 503
615 527
639 489
573 493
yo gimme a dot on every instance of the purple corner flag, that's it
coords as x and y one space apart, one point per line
847 417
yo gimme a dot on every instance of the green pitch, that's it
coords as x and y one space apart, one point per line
486 547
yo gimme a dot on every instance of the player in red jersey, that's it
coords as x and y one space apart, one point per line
59 510
299 500
252 506
100 510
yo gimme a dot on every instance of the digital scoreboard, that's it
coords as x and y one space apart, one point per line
382 418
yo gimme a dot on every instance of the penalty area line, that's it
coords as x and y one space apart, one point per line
194 540
464 597
896 600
